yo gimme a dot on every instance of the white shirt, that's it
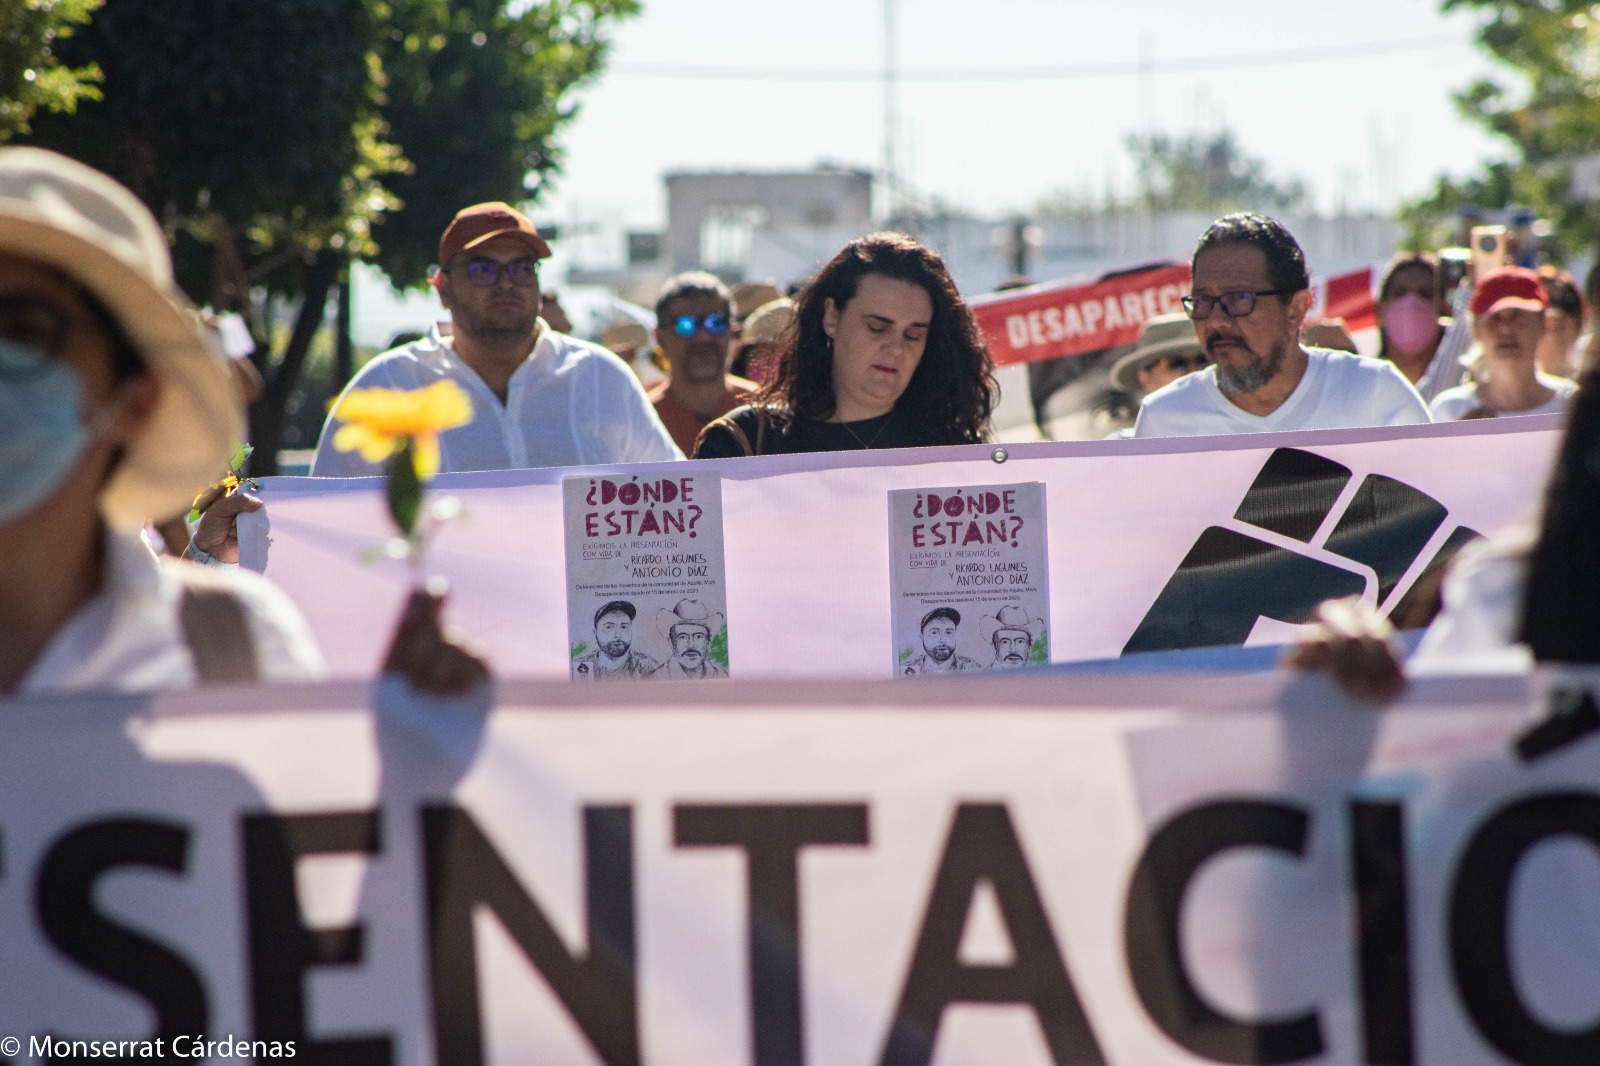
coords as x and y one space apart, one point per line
129 637
570 403
1337 391
1452 404
1481 605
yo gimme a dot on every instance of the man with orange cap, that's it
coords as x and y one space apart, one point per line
540 398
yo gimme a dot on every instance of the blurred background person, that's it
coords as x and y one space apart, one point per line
884 354
1167 349
1330 333
758 339
695 333
1409 328
1564 320
1508 322
1589 344
553 313
750 296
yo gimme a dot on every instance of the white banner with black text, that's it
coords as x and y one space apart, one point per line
1020 870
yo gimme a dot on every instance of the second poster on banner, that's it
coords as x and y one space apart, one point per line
970 579
646 582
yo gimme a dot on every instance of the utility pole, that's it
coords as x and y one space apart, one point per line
891 116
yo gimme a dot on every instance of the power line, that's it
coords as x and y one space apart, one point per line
1088 70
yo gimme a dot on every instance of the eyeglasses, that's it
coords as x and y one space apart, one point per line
685 325
36 325
484 273
1184 364
1234 304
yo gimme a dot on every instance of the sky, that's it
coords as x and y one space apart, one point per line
1353 98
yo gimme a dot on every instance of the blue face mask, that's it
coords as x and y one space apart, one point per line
44 434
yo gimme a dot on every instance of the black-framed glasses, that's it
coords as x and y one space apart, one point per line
685 325
33 324
1233 304
1186 364
484 273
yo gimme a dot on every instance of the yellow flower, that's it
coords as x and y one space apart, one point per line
377 422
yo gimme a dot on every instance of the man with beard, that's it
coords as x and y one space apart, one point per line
539 398
613 657
695 332
1250 294
939 646
1011 631
689 627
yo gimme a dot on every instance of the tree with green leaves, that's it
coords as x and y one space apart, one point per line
277 140
475 97
32 76
1546 108
1209 174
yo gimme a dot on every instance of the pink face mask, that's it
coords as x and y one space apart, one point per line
1411 324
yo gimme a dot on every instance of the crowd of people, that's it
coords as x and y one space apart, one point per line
119 410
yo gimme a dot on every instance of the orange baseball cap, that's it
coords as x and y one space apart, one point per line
474 225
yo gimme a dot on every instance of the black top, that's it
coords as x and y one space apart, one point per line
767 431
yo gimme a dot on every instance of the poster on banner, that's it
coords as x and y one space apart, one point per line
970 582
646 578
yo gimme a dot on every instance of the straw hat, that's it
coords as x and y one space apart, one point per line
768 321
749 295
688 612
1011 616
1160 336
59 212
629 334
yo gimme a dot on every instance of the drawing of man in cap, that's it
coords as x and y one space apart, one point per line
613 658
1012 631
689 627
939 646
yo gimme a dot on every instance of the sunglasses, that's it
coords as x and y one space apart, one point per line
1233 304
715 324
483 273
1185 364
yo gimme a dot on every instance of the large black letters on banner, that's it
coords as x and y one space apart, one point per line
282 949
1230 579
983 846
1172 856
1378 870
599 989
1479 949
64 898
771 836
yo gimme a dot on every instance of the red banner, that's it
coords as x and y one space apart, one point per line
1072 318
1346 296
1047 321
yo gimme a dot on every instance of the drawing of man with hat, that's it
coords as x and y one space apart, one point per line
613 657
1012 631
689 626
939 646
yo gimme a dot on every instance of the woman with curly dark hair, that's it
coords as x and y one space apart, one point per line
882 353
